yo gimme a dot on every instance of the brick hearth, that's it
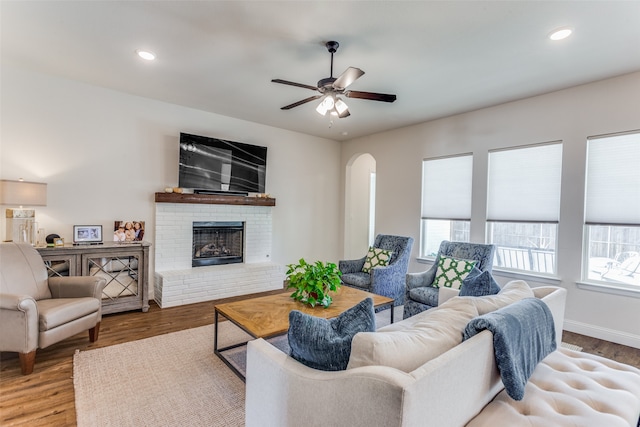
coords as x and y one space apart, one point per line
177 283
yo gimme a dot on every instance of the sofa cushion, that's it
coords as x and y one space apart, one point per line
408 344
359 279
376 257
58 311
326 344
510 293
451 272
425 295
478 285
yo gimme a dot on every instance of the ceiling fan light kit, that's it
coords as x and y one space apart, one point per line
330 87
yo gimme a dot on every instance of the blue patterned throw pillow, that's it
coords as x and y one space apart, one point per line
326 344
479 285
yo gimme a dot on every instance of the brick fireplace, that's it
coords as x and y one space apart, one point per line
178 282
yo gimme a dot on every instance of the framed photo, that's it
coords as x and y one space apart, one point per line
87 234
58 241
128 231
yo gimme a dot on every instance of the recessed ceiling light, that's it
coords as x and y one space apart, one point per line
145 54
560 33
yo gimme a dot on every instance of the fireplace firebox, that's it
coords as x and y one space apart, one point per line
217 243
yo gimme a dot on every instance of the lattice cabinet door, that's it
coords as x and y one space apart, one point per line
124 267
125 273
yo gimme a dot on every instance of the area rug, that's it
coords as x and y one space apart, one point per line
169 380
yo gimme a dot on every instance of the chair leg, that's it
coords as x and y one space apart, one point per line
27 361
93 333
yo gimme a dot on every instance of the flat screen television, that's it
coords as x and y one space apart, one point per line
212 165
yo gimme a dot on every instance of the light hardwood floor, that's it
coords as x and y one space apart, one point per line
46 397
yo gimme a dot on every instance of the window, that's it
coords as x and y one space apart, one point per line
446 201
612 210
523 206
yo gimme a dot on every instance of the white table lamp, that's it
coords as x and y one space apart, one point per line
21 225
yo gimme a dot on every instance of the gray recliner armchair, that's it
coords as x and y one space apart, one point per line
388 280
420 294
37 311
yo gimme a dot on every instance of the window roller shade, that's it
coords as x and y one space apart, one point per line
613 180
446 188
524 184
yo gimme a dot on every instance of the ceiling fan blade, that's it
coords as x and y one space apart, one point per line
286 82
384 97
349 76
304 101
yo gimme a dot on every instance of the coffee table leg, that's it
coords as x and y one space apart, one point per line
215 337
218 351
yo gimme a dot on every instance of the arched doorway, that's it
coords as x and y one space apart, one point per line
359 205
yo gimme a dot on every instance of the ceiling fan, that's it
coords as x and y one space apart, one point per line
329 88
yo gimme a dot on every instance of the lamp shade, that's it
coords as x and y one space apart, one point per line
22 193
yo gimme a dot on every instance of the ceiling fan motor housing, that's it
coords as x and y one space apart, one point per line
332 46
325 85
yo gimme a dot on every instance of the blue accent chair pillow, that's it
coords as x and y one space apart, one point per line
479 285
326 344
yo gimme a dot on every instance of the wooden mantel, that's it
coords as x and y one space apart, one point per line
214 199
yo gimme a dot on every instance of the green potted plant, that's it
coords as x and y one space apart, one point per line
313 282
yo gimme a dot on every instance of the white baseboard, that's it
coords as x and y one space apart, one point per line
602 333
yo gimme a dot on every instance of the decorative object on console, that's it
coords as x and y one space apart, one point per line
313 282
50 239
128 231
21 225
87 234
58 241
326 344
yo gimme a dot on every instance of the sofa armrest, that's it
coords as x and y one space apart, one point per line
347 266
555 298
279 390
468 371
77 286
424 278
389 281
19 319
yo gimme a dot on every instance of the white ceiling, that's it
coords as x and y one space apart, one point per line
439 57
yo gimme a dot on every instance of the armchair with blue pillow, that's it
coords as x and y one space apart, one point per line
383 270
457 264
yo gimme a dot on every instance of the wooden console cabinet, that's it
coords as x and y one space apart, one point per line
125 266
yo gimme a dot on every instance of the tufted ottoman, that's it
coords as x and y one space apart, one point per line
570 388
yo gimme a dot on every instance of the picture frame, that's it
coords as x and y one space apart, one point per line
129 231
58 241
87 234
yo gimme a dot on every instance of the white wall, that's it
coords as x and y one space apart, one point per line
104 154
570 115
357 199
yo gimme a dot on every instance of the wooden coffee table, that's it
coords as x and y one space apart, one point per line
268 316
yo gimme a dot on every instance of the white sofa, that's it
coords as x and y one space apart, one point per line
460 387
